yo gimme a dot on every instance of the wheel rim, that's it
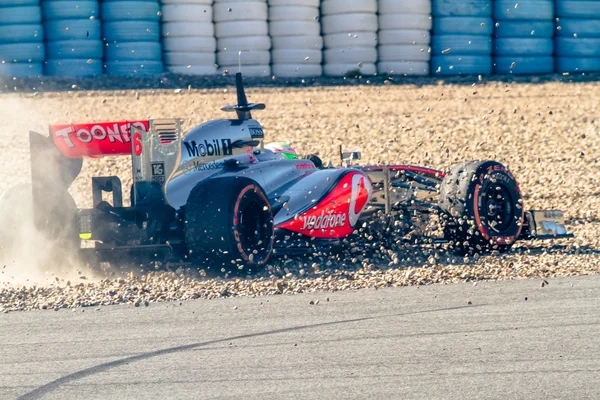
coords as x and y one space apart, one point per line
255 228
498 208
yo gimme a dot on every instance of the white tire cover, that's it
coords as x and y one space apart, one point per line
189 58
294 28
187 13
417 68
349 23
192 69
245 43
296 70
206 2
349 56
202 44
344 69
252 57
405 7
131 51
331 7
73 68
258 71
359 39
297 42
296 56
306 3
405 21
133 68
241 28
404 52
179 29
293 13
130 10
229 11
404 36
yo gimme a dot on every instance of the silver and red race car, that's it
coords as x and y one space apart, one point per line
218 197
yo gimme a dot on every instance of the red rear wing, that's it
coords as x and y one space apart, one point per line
95 139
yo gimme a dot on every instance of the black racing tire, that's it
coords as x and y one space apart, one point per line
229 226
482 207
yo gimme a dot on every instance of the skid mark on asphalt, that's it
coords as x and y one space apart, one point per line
55 384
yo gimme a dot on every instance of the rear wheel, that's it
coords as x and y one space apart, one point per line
483 207
229 226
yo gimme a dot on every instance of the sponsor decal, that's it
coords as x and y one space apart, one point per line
256 132
323 221
95 139
209 148
158 172
305 166
361 193
200 166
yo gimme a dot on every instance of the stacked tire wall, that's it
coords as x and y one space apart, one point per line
523 37
188 34
350 36
404 37
73 44
131 32
241 26
462 37
21 38
577 36
295 32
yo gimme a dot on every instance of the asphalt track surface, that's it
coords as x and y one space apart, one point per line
514 340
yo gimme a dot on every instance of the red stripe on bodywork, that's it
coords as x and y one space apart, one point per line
411 168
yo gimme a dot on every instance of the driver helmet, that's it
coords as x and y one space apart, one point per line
284 149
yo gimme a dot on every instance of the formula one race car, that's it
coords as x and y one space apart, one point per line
217 197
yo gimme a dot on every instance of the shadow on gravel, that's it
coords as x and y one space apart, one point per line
53 84
49 387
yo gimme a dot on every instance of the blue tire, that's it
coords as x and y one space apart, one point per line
21 33
583 28
523 10
21 15
450 8
72 29
537 29
577 47
75 49
523 65
13 3
134 68
467 45
578 9
22 53
463 26
133 51
456 65
577 64
130 11
73 68
131 31
523 46
79 9
21 70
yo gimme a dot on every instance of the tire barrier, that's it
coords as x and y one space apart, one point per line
22 50
131 34
461 42
350 36
404 37
296 38
577 42
72 32
523 37
243 38
188 34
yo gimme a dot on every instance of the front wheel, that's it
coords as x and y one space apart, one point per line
229 225
482 207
